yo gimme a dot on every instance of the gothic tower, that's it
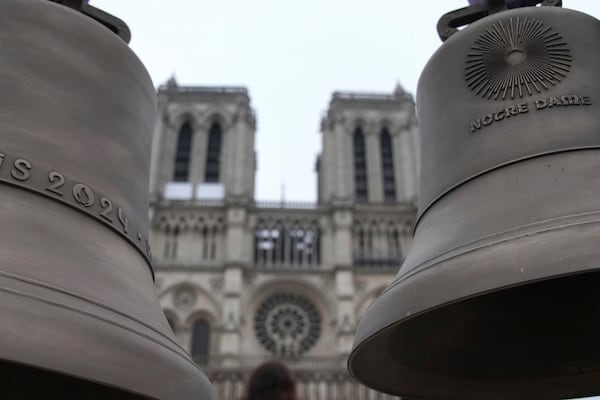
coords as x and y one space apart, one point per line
203 144
243 281
370 149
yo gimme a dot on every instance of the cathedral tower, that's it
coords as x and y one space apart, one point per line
370 149
203 144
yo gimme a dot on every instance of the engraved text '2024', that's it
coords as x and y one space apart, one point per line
75 194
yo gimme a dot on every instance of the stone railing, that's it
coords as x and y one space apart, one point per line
288 205
316 378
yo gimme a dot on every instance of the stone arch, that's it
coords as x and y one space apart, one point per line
202 342
180 116
387 123
204 301
216 115
356 123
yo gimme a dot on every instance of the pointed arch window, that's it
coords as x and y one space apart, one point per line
387 161
360 166
183 152
200 341
213 154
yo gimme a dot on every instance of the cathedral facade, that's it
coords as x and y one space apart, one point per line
243 281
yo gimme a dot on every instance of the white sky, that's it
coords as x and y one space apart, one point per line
291 56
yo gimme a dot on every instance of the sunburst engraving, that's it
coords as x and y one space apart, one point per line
516 57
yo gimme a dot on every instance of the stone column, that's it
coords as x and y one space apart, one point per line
399 164
344 288
342 167
328 161
230 334
198 153
249 158
165 163
236 157
235 259
409 172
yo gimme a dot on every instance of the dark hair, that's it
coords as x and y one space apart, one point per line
271 381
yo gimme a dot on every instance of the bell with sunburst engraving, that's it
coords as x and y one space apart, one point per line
498 297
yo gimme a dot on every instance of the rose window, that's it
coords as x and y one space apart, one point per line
287 324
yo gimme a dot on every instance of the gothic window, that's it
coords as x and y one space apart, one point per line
287 325
313 244
387 160
360 166
174 243
278 235
213 154
167 252
205 243
377 244
280 244
360 246
200 341
296 238
394 245
171 235
370 253
213 244
182 155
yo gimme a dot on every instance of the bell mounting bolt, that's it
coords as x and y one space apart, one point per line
449 23
116 25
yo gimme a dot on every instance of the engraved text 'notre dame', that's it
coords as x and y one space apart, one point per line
522 108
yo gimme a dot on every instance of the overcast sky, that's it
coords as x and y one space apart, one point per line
291 56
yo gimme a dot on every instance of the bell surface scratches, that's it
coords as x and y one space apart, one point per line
80 317
499 296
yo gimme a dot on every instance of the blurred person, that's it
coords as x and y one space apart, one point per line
271 380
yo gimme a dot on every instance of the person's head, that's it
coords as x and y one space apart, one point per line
271 381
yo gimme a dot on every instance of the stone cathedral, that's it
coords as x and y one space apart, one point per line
243 281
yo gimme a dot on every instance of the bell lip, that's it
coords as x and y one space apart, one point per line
116 352
377 337
369 344
75 377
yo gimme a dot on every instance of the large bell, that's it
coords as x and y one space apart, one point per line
499 296
79 314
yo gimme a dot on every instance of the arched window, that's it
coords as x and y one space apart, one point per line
387 161
205 243
213 154
200 341
360 166
174 243
171 235
182 155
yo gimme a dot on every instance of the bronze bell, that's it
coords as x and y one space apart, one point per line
80 317
499 295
